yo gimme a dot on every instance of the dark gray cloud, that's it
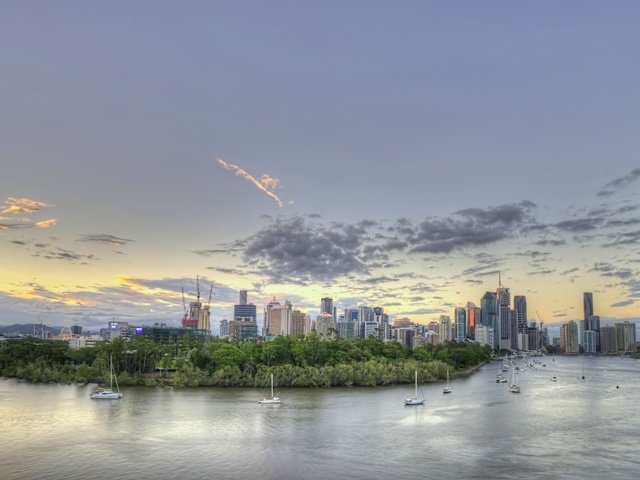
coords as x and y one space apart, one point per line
106 239
58 253
297 250
20 242
579 225
470 227
623 303
624 239
614 185
608 270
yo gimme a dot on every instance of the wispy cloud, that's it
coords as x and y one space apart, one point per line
22 205
614 185
107 239
52 222
267 184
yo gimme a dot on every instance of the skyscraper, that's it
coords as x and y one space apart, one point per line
326 306
460 314
587 303
489 315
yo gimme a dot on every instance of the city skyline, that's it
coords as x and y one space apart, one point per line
398 155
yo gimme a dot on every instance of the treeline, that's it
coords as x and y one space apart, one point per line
190 362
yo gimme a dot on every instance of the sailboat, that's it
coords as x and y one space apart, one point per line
108 393
271 399
513 383
447 389
415 400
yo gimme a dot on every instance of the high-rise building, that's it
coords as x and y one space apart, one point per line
267 310
300 323
473 319
244 325
445 328
326 306
485 336
489 315
626 336
569 337
513 325
280 319
224 328
520 306
460 315
608 340
587 302
326 325
589 342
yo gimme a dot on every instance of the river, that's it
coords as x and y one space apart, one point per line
572 428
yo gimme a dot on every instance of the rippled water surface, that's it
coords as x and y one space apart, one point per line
572 428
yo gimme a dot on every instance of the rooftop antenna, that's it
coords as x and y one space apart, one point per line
499 281
198 286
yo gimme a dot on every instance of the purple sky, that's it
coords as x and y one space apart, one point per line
384 153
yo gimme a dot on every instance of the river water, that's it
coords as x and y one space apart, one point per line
572 428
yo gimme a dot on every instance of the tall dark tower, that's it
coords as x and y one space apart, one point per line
588 309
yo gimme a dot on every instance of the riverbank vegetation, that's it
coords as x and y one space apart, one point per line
191 362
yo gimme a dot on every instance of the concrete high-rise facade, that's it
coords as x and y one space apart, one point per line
569 337
445 328
280 319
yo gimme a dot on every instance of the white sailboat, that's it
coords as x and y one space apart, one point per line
513 383
271 399
415 400
447 388
108 393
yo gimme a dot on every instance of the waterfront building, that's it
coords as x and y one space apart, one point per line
326 325
485 336
445 328
460 315
267 310
300 323
569 337
523 341
626 336
243 331
280 320
244 325
473 319
608 340
589 342
489 315
513 323
533 337
520 308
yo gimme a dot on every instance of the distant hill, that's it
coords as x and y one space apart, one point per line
27 329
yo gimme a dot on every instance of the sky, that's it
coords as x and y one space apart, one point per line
401 154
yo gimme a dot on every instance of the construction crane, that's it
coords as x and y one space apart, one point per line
541 321
184 304
210 292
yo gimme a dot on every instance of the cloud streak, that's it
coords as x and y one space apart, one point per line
22 205
107 239
266 184
614 185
